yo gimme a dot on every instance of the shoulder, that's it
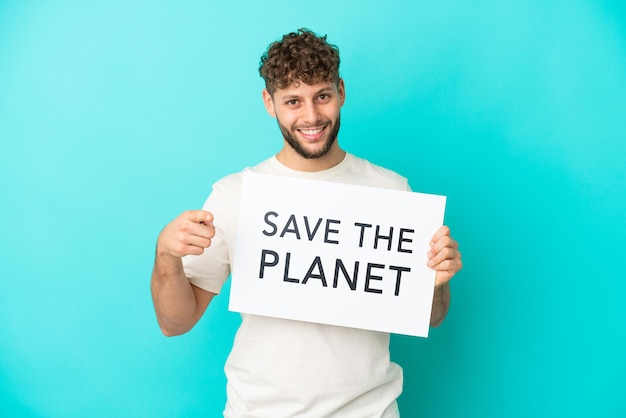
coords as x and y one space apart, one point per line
375 175
374 169
232 182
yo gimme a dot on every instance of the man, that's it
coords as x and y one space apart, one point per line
277 367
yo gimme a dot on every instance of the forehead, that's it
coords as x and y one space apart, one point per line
301 89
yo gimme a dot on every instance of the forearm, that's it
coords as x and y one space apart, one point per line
441 304
173 296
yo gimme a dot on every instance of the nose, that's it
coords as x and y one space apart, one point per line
311 114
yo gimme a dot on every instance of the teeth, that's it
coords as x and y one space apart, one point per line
311 131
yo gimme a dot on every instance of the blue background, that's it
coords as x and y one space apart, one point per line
115 116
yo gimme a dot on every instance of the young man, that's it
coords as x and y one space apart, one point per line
283 368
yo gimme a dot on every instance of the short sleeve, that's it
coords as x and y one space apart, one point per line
210 270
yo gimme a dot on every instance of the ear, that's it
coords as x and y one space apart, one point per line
341 89
269 103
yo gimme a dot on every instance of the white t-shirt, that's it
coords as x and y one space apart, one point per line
283 368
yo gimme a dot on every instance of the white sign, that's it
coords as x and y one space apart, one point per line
335 254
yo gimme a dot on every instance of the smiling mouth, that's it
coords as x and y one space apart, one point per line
312 133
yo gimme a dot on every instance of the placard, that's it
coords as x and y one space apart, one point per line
335 254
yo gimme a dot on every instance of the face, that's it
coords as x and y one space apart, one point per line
308 116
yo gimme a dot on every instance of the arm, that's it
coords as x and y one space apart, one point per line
444 257
179 304
441 304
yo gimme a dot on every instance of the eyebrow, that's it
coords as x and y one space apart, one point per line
324 90
295 96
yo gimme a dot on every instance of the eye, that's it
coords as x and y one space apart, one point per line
291 102
324 96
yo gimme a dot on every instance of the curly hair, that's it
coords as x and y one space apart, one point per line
299 56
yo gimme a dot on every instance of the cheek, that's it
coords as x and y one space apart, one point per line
333 113
286 119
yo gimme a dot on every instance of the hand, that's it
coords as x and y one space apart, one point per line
188 234
444 256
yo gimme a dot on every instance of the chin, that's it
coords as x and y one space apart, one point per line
314 151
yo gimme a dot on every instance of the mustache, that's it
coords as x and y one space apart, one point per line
317 124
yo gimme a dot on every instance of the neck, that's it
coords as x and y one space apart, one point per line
291 159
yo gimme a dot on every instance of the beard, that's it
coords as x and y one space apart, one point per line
301 149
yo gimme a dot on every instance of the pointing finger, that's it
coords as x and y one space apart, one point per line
199 216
